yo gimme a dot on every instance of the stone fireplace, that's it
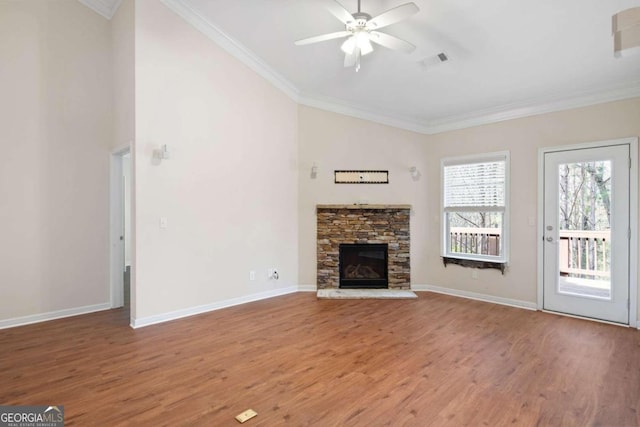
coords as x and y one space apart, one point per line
360 225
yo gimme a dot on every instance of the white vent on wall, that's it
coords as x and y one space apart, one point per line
626 32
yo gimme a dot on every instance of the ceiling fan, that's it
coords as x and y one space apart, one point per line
361 30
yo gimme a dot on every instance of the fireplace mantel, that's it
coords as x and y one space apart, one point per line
363 224
363 206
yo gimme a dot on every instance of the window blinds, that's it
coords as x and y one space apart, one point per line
475 185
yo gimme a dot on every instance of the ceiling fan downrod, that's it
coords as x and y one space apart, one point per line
360 17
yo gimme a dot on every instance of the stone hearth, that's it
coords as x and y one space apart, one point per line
365 294
363 224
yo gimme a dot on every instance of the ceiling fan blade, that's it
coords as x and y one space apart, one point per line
322 38
391 42
339 11
350 59
392 16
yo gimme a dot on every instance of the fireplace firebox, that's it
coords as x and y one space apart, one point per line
364 266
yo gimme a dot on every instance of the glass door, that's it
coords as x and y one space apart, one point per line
586 232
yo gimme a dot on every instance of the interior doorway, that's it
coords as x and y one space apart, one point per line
126 202
587 245
121 230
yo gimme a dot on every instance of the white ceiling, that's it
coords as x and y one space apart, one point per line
508 58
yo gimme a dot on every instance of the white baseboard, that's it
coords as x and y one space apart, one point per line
165 317
476 296
52 315
178 314
493 299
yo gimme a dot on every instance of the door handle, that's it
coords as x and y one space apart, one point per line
549 239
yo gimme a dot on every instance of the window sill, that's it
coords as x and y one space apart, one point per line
473 263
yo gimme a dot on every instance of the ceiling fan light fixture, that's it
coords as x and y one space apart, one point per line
363 43
349 45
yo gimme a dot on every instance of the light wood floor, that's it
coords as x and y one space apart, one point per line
298 361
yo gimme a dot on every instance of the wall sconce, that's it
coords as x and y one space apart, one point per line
415 173
314 171
161 153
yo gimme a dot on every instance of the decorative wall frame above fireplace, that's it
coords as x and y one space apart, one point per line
361 177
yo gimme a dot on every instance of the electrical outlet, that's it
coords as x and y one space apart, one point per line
252 275
474 273
272 273
163 222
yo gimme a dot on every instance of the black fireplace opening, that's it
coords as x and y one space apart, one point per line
364 265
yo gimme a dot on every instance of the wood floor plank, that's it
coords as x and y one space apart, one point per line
296 360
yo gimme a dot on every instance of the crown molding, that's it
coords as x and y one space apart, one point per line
360 112
106 8
183 9
502 113
535 107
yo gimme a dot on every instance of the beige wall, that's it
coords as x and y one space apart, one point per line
523 138
229 191
339 142
55 81
334 142
123 48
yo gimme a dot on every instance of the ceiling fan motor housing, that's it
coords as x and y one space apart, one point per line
361 19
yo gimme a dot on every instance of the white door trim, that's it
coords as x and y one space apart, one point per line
633 216
116 226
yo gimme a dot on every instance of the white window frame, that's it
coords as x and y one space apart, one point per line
444 236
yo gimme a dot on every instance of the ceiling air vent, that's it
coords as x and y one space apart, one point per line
431 61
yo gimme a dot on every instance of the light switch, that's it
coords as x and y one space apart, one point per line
163 222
